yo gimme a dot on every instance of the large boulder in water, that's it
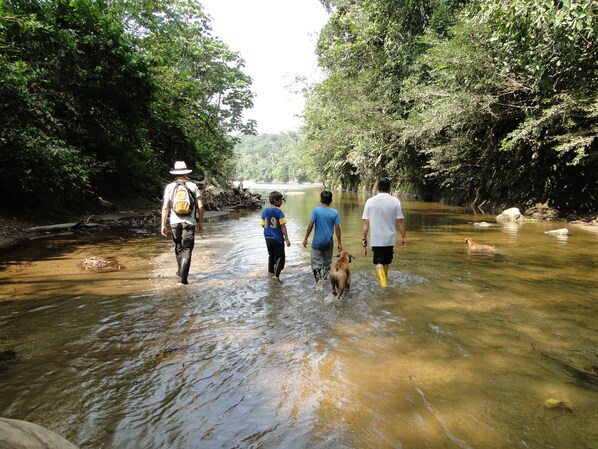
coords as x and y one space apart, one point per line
16 434
511 214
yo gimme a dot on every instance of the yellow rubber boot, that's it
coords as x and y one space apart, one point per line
386 270
381 275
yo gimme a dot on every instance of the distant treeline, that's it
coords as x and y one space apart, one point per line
98 98
486 103
273 158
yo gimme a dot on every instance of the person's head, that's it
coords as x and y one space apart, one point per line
326 197
384 185
275 197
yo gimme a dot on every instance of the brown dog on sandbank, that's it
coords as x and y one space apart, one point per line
473 246
340 274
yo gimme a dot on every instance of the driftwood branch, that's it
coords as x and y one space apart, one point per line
588 375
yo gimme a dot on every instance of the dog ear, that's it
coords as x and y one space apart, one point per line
351 257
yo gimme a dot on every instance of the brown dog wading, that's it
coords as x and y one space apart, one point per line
340 274
473 246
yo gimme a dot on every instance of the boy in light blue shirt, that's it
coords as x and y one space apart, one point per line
327 223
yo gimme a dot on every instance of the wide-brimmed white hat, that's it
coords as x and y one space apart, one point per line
180 168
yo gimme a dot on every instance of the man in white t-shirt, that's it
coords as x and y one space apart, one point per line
184 222
381 217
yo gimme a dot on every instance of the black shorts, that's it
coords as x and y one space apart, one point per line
383 254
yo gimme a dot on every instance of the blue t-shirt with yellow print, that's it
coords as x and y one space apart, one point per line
272 218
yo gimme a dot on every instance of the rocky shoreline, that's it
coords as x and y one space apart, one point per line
140 215
541 212
218 202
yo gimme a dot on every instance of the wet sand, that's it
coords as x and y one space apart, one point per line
41 267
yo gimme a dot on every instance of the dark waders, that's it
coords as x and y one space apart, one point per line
183 236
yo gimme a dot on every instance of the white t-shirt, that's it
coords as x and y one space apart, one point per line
174 218
383 211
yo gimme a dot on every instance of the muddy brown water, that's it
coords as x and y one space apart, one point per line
461 351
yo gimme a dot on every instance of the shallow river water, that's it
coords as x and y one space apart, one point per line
460 351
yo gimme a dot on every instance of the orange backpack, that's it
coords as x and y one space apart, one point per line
182 199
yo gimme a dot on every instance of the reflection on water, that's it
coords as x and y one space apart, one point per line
460 351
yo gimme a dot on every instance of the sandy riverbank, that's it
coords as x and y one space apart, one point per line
586 226
39 266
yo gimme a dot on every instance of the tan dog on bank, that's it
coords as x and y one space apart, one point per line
473 246
340 274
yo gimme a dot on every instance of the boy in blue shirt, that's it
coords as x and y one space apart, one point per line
327 223
275 232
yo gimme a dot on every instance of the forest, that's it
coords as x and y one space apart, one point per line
99 97
483 103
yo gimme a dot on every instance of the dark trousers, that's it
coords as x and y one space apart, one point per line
276 257
183 236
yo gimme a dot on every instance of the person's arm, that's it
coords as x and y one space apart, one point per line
165 209
283 228
199 212
401 225
365 229
339 244
310 226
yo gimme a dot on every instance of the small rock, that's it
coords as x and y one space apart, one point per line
556 404
483 224
562 231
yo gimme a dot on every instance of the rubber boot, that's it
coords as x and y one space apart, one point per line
386 270
381 275
185 265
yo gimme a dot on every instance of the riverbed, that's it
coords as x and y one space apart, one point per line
462 350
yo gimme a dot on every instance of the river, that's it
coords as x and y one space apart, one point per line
460 351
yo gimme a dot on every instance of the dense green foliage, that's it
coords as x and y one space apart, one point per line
272 158
98 98
484 103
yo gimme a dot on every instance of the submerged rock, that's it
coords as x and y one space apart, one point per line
562 231
484 224
97 263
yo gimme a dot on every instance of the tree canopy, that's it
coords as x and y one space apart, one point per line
98 98
487 103
482 102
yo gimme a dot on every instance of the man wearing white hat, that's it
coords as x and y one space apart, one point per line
183 200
